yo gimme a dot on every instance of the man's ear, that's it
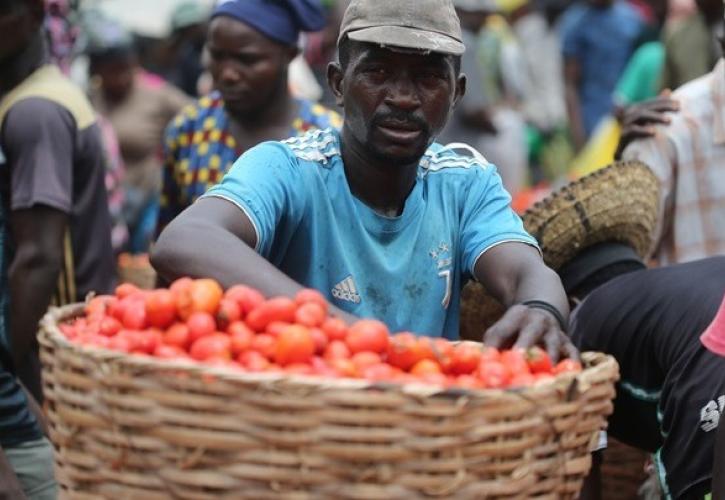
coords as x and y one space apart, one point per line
460 89
334 80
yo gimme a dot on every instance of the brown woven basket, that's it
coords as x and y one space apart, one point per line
134 427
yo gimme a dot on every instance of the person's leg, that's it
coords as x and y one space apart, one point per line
33 465
10 487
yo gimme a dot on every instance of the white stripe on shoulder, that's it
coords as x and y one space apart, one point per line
437 160
316 145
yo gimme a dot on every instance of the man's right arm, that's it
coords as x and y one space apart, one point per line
213 238
572 75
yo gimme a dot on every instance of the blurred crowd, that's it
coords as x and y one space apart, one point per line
548 83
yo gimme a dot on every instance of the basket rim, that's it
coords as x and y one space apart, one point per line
596 365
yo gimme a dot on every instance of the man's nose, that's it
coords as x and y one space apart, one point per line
229 73
403 94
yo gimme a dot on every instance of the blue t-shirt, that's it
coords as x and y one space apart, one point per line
406 271
601 40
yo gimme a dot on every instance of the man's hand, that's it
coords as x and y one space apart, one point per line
638 120
524 327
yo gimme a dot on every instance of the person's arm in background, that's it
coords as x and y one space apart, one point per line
659 154
169 203
638 121
39 137
10 487
37 234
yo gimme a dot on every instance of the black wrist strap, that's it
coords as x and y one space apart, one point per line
540 304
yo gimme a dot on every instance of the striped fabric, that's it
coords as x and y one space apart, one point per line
688 156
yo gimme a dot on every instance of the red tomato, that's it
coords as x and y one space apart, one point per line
149 340
365 358
320 339
276 309
425 367
126 290
160 308
368 335
490 354
206 294
178 336
299 369
337 349
97 306
228 313
165 351
214 346
566 366
433 379
310 314
321 367
119 343
134 315
200 325
334 328
247 298
468 382
405 350
309 295
276 327
465 360
494 374
253 361
378 372
538 360
109 326
265 344
181 290
515 361
294 345
69 330
241 337
443 351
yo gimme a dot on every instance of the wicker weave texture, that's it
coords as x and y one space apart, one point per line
135 427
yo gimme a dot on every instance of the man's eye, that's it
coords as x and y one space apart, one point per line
375 71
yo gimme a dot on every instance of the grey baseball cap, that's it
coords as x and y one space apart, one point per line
429 25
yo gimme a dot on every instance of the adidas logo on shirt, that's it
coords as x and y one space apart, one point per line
346 290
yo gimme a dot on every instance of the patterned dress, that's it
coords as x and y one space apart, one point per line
199 149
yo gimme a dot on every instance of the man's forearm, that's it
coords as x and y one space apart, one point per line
192 249
542 283
33 280
574 112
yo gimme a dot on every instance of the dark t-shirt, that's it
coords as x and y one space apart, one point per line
672 389
50 154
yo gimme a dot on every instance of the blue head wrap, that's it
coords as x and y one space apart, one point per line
280 20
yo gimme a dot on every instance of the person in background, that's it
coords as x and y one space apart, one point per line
487 117
687 153
672 389
188 33
691 44
54 220
138 105
598 38
249 48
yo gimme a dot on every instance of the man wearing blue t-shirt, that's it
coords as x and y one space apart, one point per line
382 220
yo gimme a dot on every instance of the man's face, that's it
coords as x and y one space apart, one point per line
117 77
396 102
247 67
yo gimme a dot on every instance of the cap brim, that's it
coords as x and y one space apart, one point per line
409 38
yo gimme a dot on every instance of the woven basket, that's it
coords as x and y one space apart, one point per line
134 427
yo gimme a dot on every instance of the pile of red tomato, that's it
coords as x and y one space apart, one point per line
240 328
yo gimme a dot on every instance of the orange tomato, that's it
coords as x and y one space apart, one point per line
515 361
334 328
378 372
494 374
406 349
368 335
310 314
276 309
160 308
177 335
126 290
567 366
228 313
253 361
294 345
538 360
200 325
97 306
276 327
364 359
424 367
246 297
214 346
311 296
206 294
241 337
344 367
181 290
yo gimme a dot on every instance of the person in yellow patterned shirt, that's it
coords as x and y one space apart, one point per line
249 46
